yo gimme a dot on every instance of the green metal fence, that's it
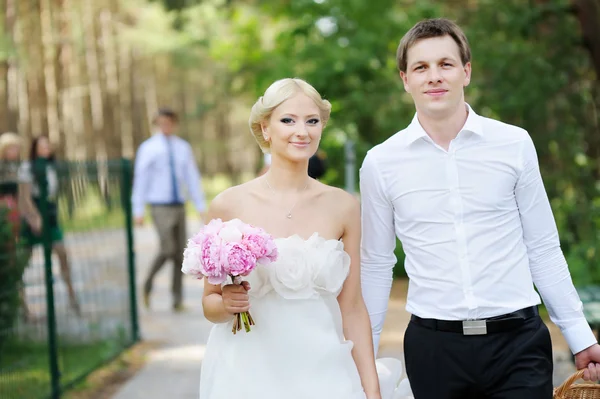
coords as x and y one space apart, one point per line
51 337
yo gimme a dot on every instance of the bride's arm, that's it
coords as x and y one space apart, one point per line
356 322
220 304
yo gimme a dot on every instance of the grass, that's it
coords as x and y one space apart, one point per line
106 380
91 213
24 366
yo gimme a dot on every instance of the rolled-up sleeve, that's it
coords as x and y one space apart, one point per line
141 180
377 246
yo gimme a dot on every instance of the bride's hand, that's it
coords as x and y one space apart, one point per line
235 297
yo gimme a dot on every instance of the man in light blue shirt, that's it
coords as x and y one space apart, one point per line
165 175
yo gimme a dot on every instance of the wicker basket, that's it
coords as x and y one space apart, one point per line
568 390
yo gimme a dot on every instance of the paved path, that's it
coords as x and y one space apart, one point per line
173 369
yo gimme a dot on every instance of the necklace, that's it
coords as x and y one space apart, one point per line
289 213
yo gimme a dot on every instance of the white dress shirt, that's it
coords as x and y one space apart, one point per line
152 182
475 224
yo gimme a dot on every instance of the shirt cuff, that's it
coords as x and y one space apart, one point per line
200 206
138 211
579 337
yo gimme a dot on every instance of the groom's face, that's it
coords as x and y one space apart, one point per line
435 76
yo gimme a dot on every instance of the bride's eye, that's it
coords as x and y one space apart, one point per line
287 120
313 121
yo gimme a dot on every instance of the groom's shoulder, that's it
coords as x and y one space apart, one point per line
388 148
496 130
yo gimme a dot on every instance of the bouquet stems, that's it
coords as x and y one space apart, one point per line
241 318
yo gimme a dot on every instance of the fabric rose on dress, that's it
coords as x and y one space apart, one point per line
292 277
333 265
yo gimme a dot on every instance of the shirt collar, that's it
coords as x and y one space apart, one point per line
164 136
415 131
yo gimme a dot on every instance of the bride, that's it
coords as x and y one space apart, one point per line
312 338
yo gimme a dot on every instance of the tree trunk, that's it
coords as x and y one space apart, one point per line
93 81
110 86
588 14
49 72
8 81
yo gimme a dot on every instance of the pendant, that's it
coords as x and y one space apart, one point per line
289 215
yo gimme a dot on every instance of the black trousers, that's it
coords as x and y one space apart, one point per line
514 364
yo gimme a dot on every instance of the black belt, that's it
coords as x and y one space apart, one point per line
492 325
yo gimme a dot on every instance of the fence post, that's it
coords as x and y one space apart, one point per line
126 181
40 170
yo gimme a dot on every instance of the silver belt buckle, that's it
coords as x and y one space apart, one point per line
474 327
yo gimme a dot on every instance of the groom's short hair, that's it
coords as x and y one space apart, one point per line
429 28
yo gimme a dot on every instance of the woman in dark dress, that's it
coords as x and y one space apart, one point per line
41 152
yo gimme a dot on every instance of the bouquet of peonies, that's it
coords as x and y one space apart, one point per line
228 249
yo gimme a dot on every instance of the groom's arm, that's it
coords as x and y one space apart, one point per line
547 263
377 245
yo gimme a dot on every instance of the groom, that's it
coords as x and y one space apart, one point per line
464 195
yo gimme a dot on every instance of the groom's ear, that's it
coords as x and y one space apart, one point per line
404 78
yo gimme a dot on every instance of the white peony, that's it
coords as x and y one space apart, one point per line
231 233
191 261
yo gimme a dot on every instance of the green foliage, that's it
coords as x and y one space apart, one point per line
12 264
530 68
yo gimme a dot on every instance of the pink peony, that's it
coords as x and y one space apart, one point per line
262 246
238 260
213 227
212 260
227 248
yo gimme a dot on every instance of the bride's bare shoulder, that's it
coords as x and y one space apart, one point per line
228 203
343 200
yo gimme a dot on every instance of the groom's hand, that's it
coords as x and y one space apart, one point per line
589 359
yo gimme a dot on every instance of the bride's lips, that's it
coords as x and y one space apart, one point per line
300 145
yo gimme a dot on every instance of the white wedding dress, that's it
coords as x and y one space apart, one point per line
296 350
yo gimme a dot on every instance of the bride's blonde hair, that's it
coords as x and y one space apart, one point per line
280 91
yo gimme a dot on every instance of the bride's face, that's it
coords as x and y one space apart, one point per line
295 128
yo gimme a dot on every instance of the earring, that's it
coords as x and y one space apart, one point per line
267 139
